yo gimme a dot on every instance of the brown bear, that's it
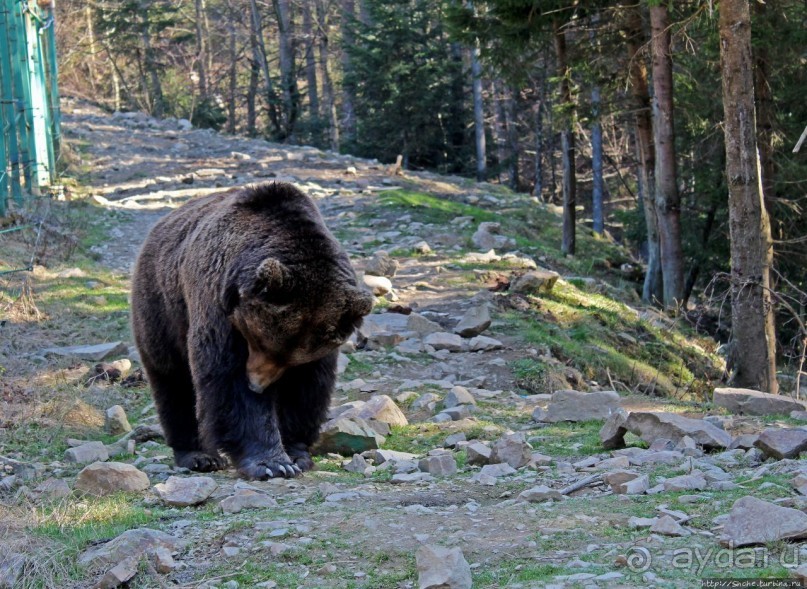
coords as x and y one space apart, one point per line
240 302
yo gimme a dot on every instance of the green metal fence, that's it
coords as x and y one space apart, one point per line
29 100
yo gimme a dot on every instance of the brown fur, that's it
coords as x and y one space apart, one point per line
239 303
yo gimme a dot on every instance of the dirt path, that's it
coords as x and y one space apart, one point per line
359 525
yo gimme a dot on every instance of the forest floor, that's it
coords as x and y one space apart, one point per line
333 528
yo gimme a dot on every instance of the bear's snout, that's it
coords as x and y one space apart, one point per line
261 372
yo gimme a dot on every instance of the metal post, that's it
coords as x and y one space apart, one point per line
40 127
53 79
9 111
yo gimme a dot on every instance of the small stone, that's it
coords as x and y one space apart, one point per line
185 491
86 453
501 469
103 478
641 522
52 488
442 465
93 353
454 439
444 341
694 481
425 401
575 406
535 282
667 526
382 456
475 321
483 343
612 433
382 408
115 421
538 415
131 543
782 443
540 494
458 396
162 560
381 264
478 453
421 325
121 573
356 464
442 568
512 449
627 482
414 477
246 499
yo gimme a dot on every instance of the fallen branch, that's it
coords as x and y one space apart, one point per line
581 484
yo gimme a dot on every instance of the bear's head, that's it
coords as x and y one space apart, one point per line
292 315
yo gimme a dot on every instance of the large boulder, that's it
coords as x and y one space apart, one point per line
475 321
185 491
651 426
103 478
347 437
782 443
578 406
442 568
131 543
750 402
754 521
535 282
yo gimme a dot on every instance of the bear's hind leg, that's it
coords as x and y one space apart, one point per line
303 398
176 405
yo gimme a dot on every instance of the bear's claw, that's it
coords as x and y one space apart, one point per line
261 469
200 461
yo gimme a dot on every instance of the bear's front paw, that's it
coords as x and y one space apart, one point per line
301 457
199 461
267 468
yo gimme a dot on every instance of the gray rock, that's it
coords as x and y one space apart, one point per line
612 433
441 465
356 464
94 353
475 321
535 282
750 402
86 453
538 415
52 488
458 396
641 522
487 237
414 477
185 491
694 481
782 443
444 341
347 437
454 439
379 408
653 425
483 343
754 521
421 325
115 421
501 469
745 441
667 526
246 499
512 449
121 573
162 560
382 456
478 453
539 494
12 565
442 568
380 264
425 401
103 478
577 406
131 543
627 482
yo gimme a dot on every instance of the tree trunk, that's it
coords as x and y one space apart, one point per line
567 145
511 119
201 49
596 163
233 73
310 62
668 201
499 125
348 92
479 115
751 248
288 73
259 56
652 290
91 64
538 130
763 14
327 84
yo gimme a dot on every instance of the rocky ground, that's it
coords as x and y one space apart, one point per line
505 418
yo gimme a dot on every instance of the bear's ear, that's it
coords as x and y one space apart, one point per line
274 276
